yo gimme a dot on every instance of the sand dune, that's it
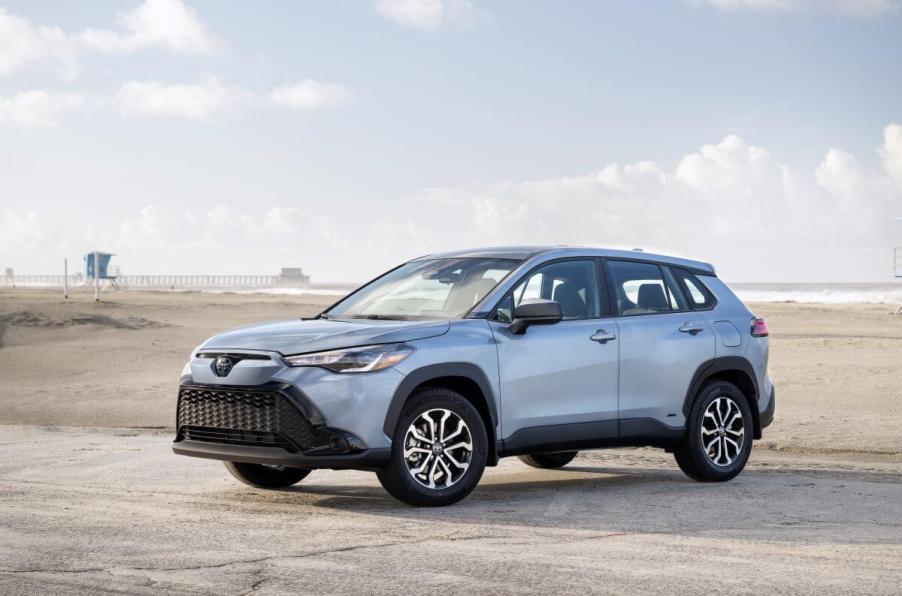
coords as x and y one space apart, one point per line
32 319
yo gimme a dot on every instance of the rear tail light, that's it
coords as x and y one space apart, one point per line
759 328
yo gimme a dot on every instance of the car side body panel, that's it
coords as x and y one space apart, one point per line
657 362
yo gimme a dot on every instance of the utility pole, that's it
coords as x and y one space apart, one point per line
66 279
897 262
96 276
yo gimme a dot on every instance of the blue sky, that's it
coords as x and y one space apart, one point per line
345 136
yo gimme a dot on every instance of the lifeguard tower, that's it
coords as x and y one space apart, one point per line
102 279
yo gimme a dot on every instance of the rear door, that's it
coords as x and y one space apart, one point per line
662 343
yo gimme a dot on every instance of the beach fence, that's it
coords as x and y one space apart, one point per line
288 278
206 281
13 280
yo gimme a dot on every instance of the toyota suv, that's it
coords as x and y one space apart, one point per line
449 362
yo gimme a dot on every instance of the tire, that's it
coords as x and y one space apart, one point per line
261 476
549 461
444 469
721 460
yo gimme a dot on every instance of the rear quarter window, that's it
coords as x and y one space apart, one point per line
699 296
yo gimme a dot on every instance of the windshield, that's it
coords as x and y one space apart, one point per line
425 289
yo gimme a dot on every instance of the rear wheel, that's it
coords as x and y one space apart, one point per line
549 460
718 434
262 476
439 450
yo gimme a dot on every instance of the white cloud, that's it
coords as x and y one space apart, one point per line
840 175
23 43
732 163
20 231
214 228
166 24
267 239
309 94
431 15
856 8
891 153
196 102
728 202
37 109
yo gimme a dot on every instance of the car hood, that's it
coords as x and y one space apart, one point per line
296 336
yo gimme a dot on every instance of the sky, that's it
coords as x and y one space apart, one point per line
345 136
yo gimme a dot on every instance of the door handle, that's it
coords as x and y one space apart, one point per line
691 329
602 336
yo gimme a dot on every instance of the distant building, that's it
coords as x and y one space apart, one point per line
293 276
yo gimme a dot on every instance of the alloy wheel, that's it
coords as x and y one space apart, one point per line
438 448
723 431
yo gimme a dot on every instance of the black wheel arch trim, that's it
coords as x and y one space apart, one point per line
431 372
723 364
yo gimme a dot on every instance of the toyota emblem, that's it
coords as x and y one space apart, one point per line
223 366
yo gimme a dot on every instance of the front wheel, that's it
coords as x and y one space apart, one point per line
439 450
718 434
261 476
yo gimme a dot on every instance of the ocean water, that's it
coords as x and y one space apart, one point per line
821 293
806 293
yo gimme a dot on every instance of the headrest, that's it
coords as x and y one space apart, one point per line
572 305
651 296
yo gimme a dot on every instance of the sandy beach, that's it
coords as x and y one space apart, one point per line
116 363
92 500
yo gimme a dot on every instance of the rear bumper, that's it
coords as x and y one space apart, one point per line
275 456
767 415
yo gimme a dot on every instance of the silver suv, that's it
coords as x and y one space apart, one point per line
449 362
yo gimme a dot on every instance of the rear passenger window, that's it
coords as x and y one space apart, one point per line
642 289
700 297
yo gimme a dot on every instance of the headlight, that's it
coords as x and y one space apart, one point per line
354 360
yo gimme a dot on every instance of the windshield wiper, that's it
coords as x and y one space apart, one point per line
381 317
325 316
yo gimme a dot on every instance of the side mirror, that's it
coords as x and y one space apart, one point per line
535 311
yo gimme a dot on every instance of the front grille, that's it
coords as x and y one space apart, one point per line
242 417
236 437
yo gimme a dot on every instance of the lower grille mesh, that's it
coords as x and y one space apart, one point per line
236 437
242 417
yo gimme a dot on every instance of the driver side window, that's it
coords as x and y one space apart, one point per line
573 284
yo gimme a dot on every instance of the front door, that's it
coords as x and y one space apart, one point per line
558 382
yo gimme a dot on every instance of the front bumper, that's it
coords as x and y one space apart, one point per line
275 456
274 423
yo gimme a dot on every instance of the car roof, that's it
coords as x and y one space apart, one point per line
523 253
